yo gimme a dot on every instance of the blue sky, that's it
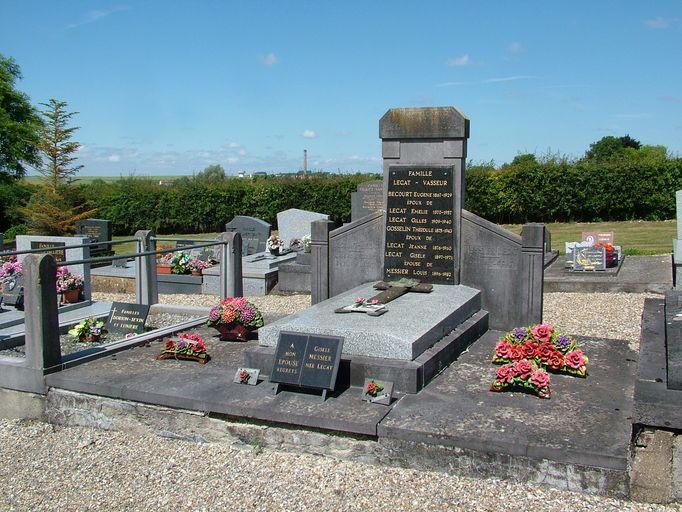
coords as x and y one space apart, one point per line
170 87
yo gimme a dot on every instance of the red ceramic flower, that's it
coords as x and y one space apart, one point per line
516 353
372 389
199 346
575 359
170 345
556 361
504 373
523 369
529 349
542 332
540 379
503 349
545 351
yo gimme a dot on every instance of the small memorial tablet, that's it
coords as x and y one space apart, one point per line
125 318
13 292
377 391
307 360
246 376
52 248
589 258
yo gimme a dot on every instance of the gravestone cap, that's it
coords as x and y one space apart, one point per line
424 123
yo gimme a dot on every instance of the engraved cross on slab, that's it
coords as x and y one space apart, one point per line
391 291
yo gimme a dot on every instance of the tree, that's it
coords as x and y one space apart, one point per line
610 147
49 211
19 123
212 174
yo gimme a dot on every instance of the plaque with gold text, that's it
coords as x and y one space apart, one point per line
420 224
56 249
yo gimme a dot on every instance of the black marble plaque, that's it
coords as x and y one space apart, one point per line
420 224
307 360
589 258
125 318
52 248
98 230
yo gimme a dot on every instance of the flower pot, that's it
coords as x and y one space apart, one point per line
70 296
163 269
233 332
89 338
274 251
196 272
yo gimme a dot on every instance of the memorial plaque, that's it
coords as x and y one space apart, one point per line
247 376
596 237
52 248
13 292
369 198
125 318
420 224
307 360
98 230
589 258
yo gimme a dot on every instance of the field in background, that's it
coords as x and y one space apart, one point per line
636 237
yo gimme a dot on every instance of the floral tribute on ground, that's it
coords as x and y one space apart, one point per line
538 349
186 346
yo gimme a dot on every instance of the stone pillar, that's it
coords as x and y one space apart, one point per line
677 244
146 285
532 272
319 278
432 136
43 351
231 280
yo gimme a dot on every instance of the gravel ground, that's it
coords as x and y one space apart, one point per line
45 467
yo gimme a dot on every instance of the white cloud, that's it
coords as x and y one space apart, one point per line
516 47
269 59
658 22
309 134
97 14
460 61
114 158
489 80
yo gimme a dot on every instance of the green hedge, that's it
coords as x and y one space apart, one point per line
192 206
563 191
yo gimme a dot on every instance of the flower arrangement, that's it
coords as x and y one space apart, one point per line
611 254
197 265
67 281
374 388
361 301
274 244
10 268
307 243
543 346
186 346
523 375
90 329
235 310
180 263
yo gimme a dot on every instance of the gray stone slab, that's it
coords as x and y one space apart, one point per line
295 224
401 333
586 422
136 375
673 338
368 199
294 278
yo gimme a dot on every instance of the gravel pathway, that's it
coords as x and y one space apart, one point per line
45 467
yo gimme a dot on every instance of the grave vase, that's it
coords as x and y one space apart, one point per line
163 269
70 296
233 332
196 272
274 251
89 338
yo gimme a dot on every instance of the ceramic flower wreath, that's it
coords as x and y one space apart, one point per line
522 375
545 347
187 346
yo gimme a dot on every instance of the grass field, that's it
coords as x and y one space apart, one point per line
35 180
635 237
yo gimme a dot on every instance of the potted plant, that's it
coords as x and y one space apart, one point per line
234 318
275 245
179 263
69 285
163 263
196 266
88 330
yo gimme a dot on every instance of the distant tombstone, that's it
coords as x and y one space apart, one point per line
307 360
369 198
598 237
589 258
254 232
126 318
295 224
98 230
13 292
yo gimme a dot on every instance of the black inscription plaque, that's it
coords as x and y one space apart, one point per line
307 360
420 224
52 248
125 318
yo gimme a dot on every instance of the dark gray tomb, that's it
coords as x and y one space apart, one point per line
368 199
98 230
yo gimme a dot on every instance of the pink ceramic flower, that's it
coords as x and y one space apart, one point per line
503 349
523 369
542 332
540 378
575 359
504 373
529 349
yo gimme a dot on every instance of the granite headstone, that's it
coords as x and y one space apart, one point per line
98 230
254 231
295 224
369 198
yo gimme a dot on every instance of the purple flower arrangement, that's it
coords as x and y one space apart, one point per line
235 310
